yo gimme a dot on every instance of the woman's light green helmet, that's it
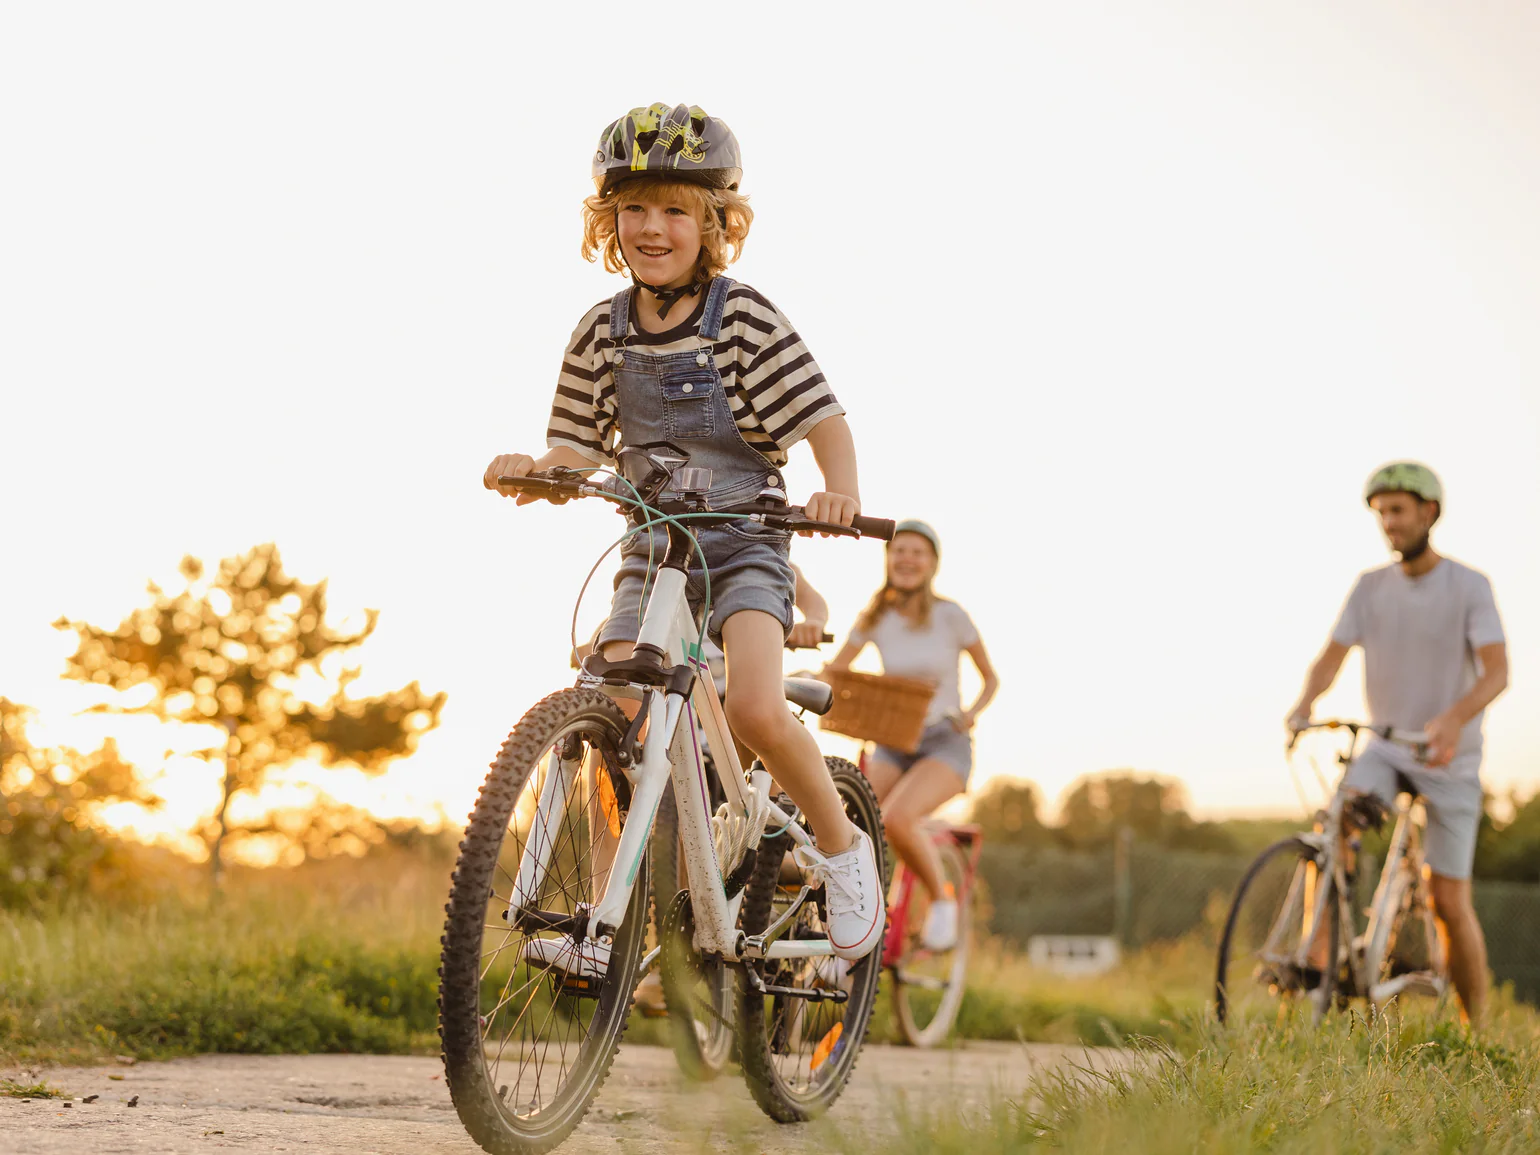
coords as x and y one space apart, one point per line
924 529
1405 477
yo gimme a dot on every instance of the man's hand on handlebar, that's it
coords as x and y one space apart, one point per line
1295 723
1443 739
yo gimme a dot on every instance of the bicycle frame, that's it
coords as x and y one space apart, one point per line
672 751
1363 953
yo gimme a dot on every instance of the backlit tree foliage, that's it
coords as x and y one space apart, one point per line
50 842
242 650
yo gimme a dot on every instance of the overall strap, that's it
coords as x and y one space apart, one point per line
620 316
716 305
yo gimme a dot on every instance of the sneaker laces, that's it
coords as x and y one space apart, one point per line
839 885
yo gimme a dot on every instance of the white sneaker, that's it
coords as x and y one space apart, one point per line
589 960
940 931
855 908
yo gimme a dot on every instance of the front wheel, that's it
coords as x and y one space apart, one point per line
529 1028
798 1052
1280 939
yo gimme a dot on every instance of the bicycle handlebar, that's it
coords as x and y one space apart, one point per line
1416 739
792 518
824 640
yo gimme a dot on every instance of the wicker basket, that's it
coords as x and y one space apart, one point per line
877 708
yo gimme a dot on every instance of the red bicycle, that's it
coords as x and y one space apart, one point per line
928 986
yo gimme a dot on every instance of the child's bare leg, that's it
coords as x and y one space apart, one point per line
757 711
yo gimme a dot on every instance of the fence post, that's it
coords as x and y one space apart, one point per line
1122 886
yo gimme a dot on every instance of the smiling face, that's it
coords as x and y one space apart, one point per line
911 562
660 234
1404 518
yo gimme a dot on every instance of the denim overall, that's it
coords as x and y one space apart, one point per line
680 398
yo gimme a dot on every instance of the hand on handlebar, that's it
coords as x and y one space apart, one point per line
1443 734
1294 724
835 508
806 636
509 465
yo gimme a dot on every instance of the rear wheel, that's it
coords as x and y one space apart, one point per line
1280 939
527 1038
928 986
798 1052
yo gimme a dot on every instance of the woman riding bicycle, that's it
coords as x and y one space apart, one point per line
920 635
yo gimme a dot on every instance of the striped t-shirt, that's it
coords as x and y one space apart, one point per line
771 381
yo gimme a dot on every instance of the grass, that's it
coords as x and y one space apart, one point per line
345 965
1148 996
350 965
261 970
1354 1086
17 1089
343 959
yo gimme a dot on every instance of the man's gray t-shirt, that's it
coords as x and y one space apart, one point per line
931 653
1420 636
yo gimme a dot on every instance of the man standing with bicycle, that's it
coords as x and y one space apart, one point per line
1434 659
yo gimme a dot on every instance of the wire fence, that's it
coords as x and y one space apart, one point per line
1143 895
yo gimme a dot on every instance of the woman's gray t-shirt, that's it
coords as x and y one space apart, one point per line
1420 636
931 653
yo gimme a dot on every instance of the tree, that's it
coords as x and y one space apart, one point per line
1509 850
1154 809
1006 813
230 652
50 841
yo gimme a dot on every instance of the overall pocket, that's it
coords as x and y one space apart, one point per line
689 402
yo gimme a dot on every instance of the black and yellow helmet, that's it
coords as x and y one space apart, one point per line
679 143
1405 477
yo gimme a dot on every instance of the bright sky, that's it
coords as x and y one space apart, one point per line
1126 298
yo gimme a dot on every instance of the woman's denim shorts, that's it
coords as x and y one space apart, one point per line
942 741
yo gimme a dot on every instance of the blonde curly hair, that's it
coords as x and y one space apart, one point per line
724 215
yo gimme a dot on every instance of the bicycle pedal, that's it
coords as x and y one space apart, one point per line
579 986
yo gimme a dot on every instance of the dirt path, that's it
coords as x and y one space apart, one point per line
370 1103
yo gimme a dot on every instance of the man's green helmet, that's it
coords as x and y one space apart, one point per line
1405 477
679 143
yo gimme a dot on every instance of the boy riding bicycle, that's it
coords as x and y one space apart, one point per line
1434 659
688 359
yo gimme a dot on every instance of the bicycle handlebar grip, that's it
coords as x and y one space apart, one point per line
878 527
822 641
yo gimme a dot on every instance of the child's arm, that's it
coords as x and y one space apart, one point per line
835 451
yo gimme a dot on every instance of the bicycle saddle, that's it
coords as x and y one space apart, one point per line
810 694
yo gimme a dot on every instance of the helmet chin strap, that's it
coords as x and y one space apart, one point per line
666 297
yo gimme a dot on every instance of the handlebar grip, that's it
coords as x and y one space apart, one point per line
822 641
555 490
878 527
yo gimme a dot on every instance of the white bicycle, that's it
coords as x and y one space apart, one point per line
547 915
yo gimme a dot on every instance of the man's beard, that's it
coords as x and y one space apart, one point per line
1416 549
